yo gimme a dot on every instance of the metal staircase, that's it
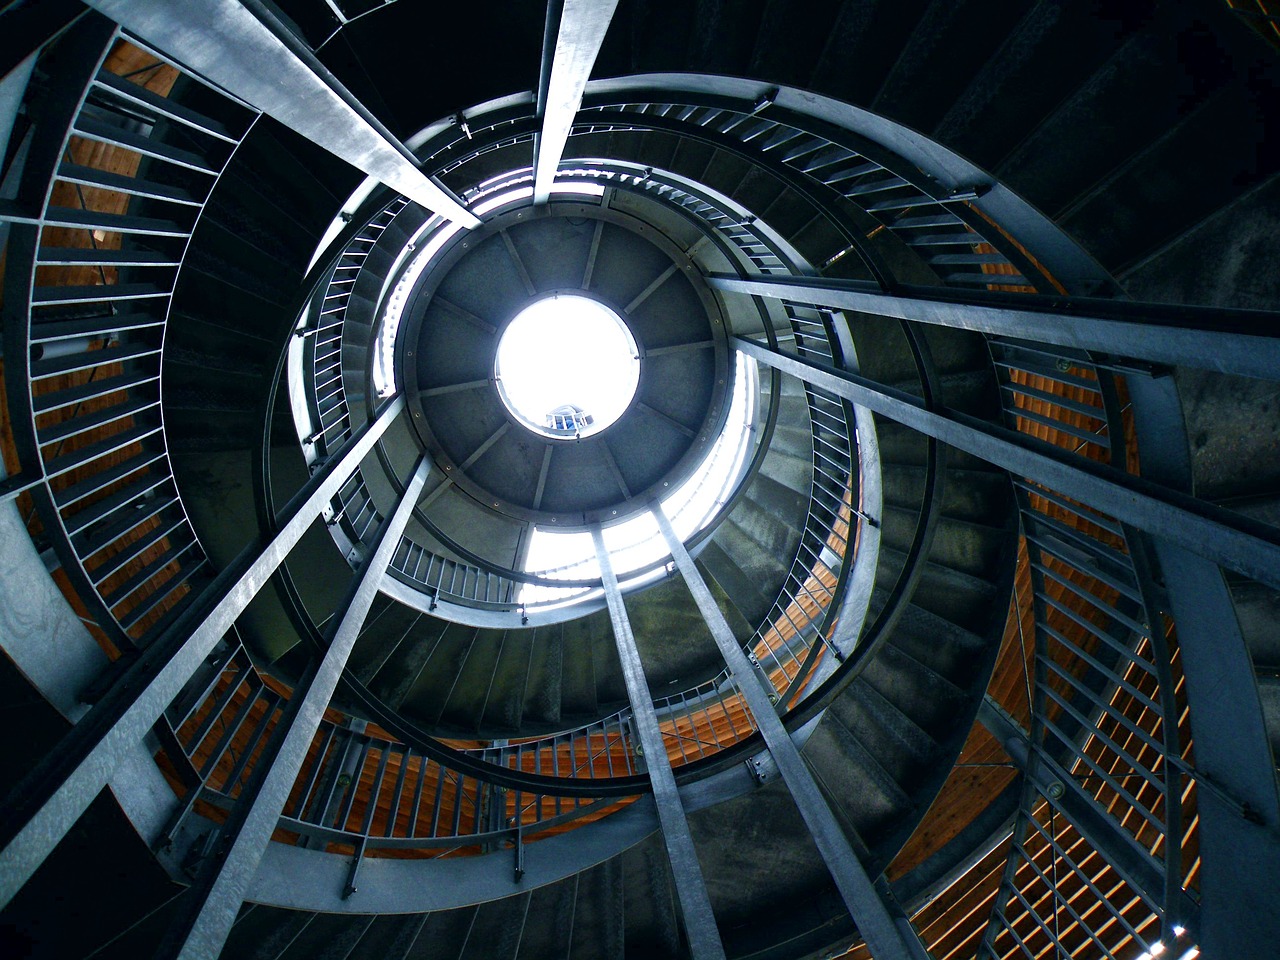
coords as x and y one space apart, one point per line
475 786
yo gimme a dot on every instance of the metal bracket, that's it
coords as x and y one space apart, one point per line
763 768
766 99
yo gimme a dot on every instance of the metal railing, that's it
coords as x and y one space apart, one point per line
1103 852
360 791
123 172
964 248
331 417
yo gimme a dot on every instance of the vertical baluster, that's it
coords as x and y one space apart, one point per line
394 813
459 794
371 805
423 763
354 787
435 813
310 776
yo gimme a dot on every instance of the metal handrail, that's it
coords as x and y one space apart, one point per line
85 371
366 790
1106 711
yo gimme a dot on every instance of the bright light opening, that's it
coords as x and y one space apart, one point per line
636 542
567 367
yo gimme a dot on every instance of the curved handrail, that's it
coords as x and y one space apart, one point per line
881 626
793 632
84 372
363 788
465 578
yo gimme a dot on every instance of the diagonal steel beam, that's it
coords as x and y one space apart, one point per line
583 24
1231 540
46 804
691 889
241 46
888 936
1242 342
212 904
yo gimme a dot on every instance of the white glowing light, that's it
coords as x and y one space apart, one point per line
567 367
637 542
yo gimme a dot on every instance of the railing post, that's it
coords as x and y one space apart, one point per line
1236 798
44 806
579 35
241 46
1239 342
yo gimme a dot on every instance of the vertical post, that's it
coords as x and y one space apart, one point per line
1236 799
212 903
1236 795
583 24
699 920
39 811
889 937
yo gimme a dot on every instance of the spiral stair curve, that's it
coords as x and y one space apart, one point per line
206 311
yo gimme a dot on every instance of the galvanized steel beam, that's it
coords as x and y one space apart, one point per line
1242 342
1232 540
1237 803
888 937
211 906
699 920
1234 765
583 24
45 805
241 46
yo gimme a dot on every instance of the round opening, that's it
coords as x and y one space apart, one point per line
567 367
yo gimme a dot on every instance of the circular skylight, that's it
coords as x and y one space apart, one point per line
567 367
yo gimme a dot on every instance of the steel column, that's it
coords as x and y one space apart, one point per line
583 24
1234 766
691 889
1232 540
45 805
888 937
1242 342
241 46
211 906
1236 798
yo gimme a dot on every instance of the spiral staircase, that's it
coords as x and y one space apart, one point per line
973 651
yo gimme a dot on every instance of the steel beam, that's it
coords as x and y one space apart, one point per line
1232 540
888 937
45 805
1234 766
241 46
583 24
1242 342
211 905
1236 803
699 920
